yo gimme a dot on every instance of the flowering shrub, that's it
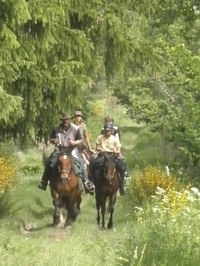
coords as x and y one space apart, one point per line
7 171
143 184
166 227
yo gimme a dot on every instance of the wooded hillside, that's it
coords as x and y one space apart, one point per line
53 54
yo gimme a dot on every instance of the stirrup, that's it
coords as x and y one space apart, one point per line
89 185
126 176
42 185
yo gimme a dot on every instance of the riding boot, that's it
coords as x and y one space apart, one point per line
120 169
88 185
121 187
45 177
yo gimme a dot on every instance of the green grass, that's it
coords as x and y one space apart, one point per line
28 238
82 244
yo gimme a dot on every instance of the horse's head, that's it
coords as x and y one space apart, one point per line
64 165
109 167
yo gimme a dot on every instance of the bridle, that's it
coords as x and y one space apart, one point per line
107 173
64 171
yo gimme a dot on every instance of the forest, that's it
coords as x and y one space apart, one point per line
57 55
135 60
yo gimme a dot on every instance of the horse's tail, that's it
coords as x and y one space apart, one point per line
44 156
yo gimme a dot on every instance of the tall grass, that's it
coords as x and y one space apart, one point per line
167 217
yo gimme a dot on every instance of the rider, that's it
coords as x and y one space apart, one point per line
66 135
83 130
116 133
108 143
115 130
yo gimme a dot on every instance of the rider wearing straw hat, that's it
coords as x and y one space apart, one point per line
65 135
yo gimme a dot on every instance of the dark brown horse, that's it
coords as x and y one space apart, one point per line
106 187
65 189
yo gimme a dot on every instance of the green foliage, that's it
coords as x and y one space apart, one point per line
161 85
49 53
29 162
31 169
11 107
7 204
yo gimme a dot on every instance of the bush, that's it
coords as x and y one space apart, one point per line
7 171
143 184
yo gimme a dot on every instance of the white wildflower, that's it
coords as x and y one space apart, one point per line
139 209
195 191
191 198
165 199
160 190
156 209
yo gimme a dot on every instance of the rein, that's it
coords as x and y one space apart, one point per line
65 171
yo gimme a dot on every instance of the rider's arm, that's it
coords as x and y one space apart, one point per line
53 136
87 140
78 139
117 149
99 145
98 148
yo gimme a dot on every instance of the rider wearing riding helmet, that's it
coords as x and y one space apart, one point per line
116 133
115 129
107 142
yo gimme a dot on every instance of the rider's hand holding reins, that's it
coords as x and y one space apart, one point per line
74 142
91 150
116 152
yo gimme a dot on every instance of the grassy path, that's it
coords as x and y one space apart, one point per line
28 238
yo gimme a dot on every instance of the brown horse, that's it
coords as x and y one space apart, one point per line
106 187
65 189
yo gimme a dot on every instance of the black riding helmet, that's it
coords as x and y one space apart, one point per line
108 126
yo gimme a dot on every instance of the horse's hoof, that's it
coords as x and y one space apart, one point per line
110 226
56 220
68 223
77 212
58 226
102 228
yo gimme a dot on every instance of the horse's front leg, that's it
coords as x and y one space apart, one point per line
57 205
71 213
56 212
112 200
103 210
78 202
98 205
